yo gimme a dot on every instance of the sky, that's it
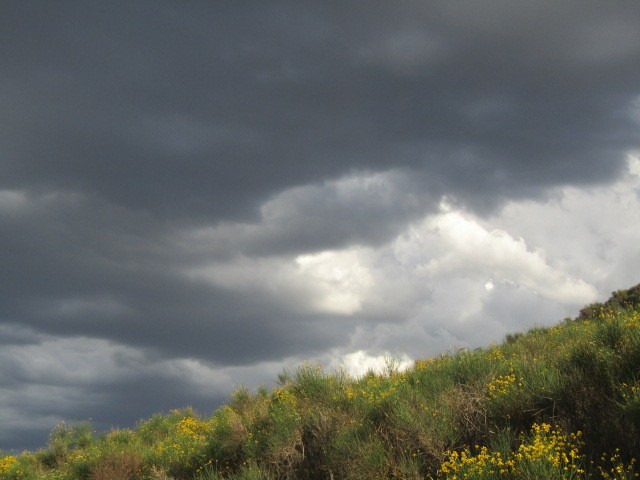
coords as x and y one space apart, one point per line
196 196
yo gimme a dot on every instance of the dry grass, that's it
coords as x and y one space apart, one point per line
125 466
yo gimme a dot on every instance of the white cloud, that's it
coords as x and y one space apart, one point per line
468 249
633 161
340 278
451 279
359 363
328 281
594 233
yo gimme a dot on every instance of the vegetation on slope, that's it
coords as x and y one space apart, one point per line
552 403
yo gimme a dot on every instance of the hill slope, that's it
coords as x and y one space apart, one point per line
559 402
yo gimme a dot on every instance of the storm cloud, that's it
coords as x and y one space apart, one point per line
194 197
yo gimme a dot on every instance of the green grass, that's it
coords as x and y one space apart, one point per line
550 403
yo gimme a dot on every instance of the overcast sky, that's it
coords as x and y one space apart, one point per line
197 195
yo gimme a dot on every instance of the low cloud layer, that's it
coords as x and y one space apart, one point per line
193 198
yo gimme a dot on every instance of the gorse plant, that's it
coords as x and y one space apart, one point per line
544 453
6 462
551 403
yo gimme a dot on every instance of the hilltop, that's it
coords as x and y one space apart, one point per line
549 403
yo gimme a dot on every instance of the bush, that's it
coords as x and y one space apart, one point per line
118 466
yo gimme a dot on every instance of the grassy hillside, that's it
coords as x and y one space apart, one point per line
551 403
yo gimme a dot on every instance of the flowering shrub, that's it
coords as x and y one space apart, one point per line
546 453
184 443
501 385
6 463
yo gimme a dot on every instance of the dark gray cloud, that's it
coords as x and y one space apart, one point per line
238 185
67 274
210 109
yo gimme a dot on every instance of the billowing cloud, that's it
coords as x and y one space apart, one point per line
358 363
467 248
